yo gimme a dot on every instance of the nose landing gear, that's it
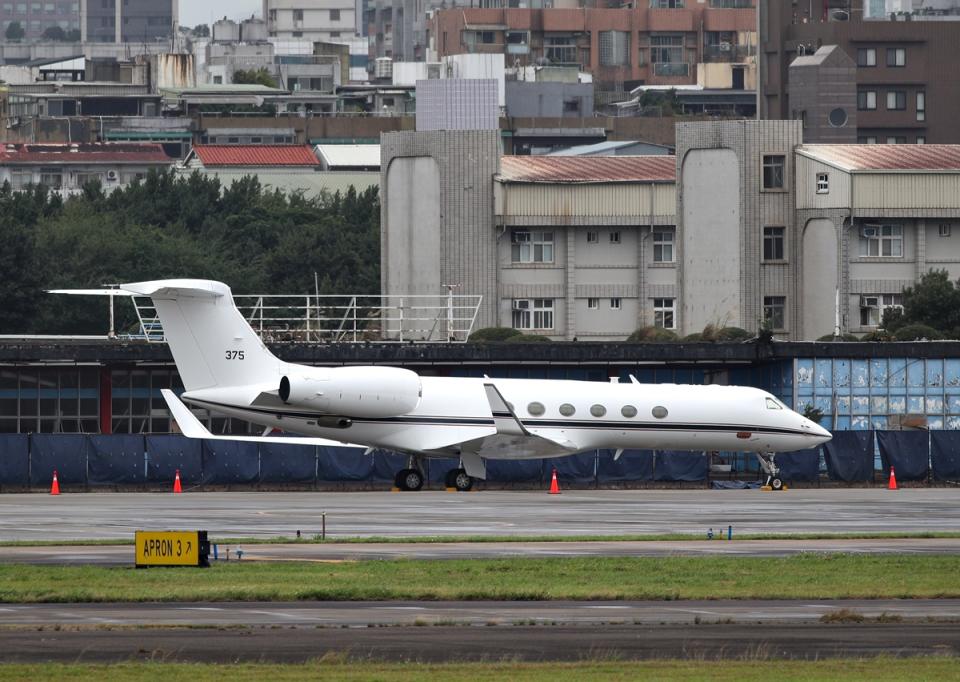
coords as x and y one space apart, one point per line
769 466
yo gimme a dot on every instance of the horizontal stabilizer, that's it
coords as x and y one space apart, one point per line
191 427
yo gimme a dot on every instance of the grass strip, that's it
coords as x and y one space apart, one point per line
881 669
435 539
804 576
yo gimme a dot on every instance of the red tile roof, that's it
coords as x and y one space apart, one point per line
886 157
256 155
588 169
86 153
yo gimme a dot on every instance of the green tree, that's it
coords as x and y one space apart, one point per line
15 32
201 31
255 77
73 35
54 33
933 302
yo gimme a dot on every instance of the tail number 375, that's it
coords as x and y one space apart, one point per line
234 355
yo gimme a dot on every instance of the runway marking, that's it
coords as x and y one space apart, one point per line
199 608
608 607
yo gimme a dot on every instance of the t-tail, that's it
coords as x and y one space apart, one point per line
212 344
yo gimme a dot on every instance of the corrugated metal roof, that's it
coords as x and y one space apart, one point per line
84 153
570 169
349 155
256 155
886 157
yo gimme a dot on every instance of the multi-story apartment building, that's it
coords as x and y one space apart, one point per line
658 42
746 226
904 93
317 20
36 16
128 21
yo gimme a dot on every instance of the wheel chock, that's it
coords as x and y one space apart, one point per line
766 488
450 490
395 489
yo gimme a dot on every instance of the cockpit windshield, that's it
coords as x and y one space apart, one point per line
772 404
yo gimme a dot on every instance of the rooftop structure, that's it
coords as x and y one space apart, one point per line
579 170
349 157
252 156
859 158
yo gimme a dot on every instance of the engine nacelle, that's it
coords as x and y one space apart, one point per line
371 392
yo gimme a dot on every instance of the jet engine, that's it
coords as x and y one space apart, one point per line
370 392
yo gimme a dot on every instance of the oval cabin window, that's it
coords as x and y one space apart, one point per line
536 409
598 410
568 410
660 412
628 411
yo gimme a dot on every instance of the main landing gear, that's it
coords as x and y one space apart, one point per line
409 479
459 479
770 468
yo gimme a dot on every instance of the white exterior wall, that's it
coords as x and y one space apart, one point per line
839 182
316 23
906 190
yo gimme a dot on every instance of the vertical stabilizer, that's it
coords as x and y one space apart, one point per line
212 344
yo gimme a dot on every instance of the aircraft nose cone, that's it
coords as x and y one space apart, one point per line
821 433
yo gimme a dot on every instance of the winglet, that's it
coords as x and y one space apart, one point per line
504 417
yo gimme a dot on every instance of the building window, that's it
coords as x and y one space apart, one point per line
774 308
867 139
663 246
896 100
774 166
593 304
896 56
873 306
773 239
531 246
898 139
881 241
298 15
944 229
664 313
51 179
593 237
666 4
615 237
866 100
823 183
666 53
615 303
867 56
921 139
533 313
921 106
334 15
614 48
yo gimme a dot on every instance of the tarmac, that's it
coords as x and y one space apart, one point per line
489 513
123 555
766 644
383 613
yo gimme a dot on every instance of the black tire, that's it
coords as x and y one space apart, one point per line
412 480
462 481
776 483
449 481
399 480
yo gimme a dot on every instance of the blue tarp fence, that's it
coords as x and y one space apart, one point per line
131 460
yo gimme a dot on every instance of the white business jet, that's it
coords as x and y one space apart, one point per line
226 368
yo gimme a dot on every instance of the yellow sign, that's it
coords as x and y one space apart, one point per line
171 548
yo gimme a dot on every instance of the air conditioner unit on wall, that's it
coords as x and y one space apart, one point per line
869 302
725 47
868 231
112 175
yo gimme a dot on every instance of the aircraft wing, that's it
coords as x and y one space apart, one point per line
514 438
191 427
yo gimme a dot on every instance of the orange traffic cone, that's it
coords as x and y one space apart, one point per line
55 488
176 483
554 486
893 480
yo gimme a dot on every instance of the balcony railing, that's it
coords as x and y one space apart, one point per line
731 4
725 53
343 319
671 69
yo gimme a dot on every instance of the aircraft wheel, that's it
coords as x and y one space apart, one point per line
776 483
399 480
461 480
410 479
